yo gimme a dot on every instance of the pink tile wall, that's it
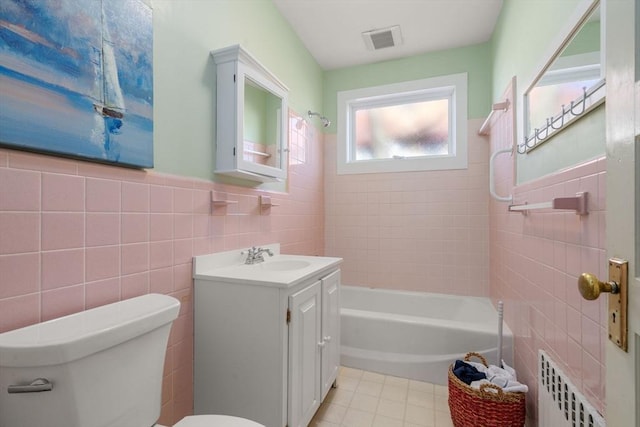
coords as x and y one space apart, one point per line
76 235
419 231
535 263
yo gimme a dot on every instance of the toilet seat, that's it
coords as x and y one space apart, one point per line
215 421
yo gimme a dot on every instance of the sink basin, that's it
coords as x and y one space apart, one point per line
285 265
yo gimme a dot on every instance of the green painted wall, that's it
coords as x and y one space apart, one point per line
474 60
526 35
185 32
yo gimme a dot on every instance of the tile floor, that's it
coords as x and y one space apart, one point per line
368 399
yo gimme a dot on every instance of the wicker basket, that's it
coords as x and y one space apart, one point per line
487 407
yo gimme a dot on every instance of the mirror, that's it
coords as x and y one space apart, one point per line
252 117
569 86
261 126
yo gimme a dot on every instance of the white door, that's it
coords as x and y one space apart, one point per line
623 196
330 330
304 355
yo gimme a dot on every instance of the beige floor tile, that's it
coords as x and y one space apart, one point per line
355 418
391 409
392 392
443 419
319 423
421 398
420 415
370 388
351 372
442 402
373 377
339 396
382 421
441 390
331 413
421 386
369 399
348 383
364 402
396 381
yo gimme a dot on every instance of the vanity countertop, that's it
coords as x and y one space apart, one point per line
279 270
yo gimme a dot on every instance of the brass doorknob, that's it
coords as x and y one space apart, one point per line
590 287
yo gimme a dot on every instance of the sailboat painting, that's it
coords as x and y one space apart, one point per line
76 79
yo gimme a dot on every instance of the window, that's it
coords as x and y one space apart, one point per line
408 126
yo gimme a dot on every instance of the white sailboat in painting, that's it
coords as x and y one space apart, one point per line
109 101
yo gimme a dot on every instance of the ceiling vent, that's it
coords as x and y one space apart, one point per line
380 39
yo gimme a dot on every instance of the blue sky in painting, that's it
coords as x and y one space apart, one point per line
52 81
61 36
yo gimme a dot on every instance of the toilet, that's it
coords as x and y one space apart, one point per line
100 367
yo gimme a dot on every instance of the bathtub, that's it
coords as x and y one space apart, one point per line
416 335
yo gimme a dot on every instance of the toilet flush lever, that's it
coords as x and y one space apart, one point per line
37 385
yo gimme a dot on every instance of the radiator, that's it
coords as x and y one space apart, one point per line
560 404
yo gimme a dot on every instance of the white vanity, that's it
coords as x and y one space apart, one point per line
267 335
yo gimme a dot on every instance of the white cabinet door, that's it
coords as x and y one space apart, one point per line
305 343
330 330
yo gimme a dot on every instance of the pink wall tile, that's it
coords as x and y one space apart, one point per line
62 230
183 200
20 274
160 227
20 311
134 285
161 199
403 218
62 268
19 190
102 229
103 195
102 262
182 251
63 193
160 254
135 197
135 228
161 280
63 301
134 258
102 292
19 232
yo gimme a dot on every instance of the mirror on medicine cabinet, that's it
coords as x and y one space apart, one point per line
570 84
251 109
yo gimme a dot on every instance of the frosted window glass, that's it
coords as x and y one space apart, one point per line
409 130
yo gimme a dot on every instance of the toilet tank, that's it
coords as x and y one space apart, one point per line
104 365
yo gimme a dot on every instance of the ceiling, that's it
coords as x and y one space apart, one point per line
331 29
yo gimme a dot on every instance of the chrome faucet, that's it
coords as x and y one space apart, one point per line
255 255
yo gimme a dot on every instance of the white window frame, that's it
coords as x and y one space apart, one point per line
453 86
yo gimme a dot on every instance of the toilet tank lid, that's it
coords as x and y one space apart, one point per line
72 337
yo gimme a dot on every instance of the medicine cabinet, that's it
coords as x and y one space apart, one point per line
251 136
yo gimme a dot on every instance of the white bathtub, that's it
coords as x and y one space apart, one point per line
416 335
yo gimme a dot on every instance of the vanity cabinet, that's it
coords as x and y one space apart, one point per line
252 116
266 353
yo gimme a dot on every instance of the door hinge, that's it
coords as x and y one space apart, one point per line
288 316
234 78
234 151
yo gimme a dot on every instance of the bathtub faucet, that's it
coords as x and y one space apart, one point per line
255 255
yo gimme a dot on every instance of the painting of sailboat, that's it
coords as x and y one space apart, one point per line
76 79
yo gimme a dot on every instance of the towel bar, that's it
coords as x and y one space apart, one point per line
577 203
